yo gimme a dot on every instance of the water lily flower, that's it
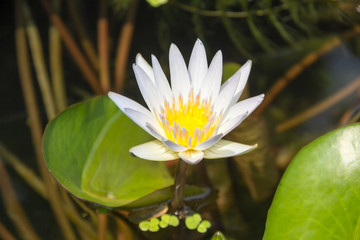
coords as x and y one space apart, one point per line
190 118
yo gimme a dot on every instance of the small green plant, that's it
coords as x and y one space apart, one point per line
154 224
195 222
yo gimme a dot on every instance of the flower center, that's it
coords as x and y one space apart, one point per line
190 123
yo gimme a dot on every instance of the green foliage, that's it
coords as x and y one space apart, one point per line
229 69
266 25
319 194
154 224
164 221
203 226
167 220
144 226
119 6
157 3
195 222
174 221
87 149
218 236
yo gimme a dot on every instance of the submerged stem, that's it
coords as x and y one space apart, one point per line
177 203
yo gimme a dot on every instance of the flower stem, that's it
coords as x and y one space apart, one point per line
177 202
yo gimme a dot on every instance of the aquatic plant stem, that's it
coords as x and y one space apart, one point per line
84 228
124 231
35 122
36 184
5 234
230 14
56 66
103 222
320 107
177 202
300 66
25 172
13 207
83 36
39 61
103 47
123 47
73 48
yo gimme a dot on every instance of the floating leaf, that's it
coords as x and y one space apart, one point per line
144 225
319 194
174 221
193 221
86 148
154 225
163 224
203 226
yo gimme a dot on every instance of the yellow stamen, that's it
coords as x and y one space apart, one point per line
190 122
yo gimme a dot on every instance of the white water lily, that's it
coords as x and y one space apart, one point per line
189 118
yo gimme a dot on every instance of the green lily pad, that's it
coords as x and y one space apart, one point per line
319 194
86 148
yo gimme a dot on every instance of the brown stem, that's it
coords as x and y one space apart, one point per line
103 221
84 227
13 207
73 48
85 41
298 68
56 66
29 176
103 47
177 202
123 230
320 107
35 122
123 48
39 62
91 213
25 172
5 234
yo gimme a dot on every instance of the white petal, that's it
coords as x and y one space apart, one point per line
191 156
245 106
226 127
180 82
225 148
197 65
226 95
173 146
161 81
141 62
140 115
149 124
157 133
154 150
243 75
147 89
209 142
211 85
124 102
